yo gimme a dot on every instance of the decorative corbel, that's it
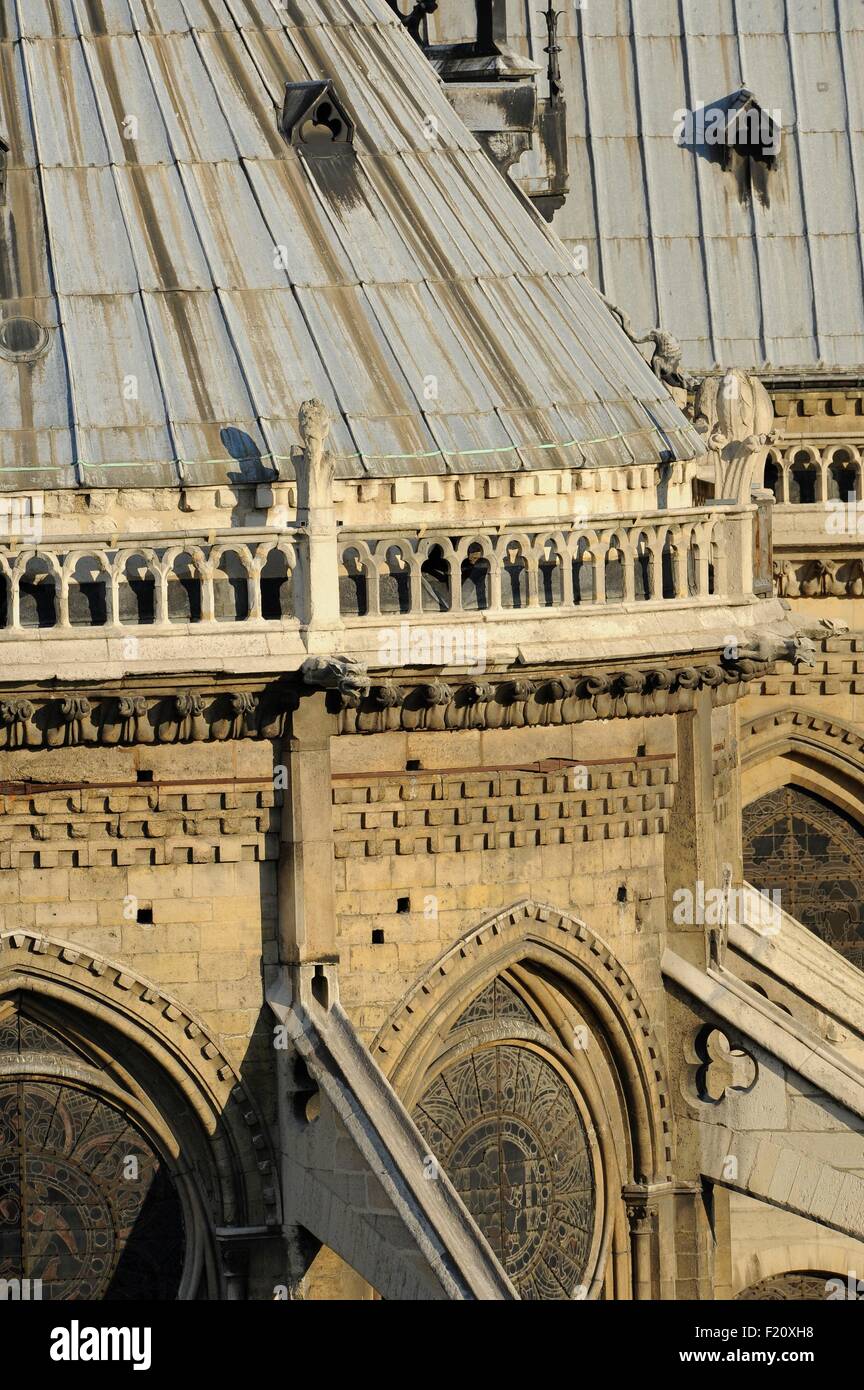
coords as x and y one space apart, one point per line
75 712
16 715
190 723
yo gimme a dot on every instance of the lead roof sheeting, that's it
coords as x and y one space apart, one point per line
230 278
631 65
361 223
204 381
132 117
196 126
163 229
295 223
97 258
590 317
177 16
33 456
45 407
149 447
65 116
282 364
397 445
235 219
112 348
15 114
242 95
559 340
474 443
438 241
24 270
440 369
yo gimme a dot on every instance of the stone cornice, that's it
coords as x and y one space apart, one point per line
539 698
137 713
201 710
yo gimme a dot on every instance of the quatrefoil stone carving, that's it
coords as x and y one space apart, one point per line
725 1068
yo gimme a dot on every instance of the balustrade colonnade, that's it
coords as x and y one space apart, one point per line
277 576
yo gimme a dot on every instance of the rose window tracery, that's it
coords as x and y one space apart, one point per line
505 1124
87 1205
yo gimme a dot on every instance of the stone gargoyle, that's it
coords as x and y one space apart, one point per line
666 357
342 673
768 647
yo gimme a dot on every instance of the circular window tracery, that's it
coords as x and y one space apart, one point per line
87 1205
506 1126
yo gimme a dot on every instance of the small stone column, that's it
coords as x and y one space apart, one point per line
644 1243
234 1259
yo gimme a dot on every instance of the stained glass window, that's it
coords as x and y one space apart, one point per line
504 1123
87 1205
814 855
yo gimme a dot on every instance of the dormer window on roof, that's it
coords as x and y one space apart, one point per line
750 130
313 118
734 124
739 135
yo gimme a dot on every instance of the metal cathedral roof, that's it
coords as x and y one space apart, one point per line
199 277
773 285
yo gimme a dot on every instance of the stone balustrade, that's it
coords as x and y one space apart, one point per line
234 576
640 557
818 526
805 473
311 582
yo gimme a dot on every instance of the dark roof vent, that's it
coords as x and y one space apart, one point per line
22 339
749 129
314 119
739 135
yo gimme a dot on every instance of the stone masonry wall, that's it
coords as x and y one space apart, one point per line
437 832
174 877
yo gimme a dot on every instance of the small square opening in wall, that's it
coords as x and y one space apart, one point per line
641 751
622 893
403 904
412 765
144 775
144 915
377 936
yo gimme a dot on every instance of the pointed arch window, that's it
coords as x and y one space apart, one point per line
812 854
503 1118
88 1207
